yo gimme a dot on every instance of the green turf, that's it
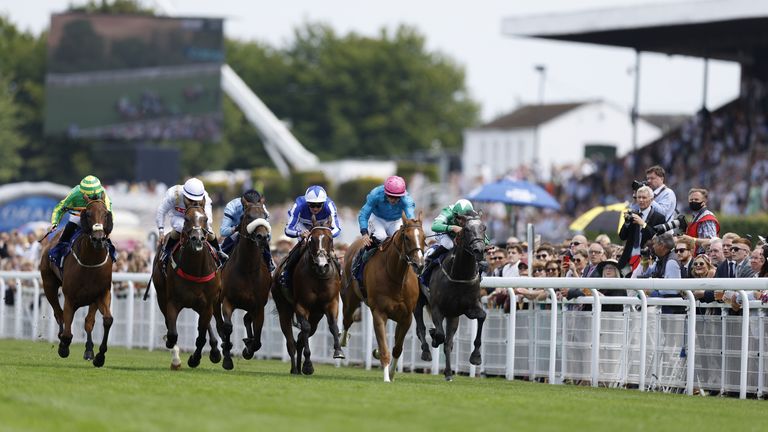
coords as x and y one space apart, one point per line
135 390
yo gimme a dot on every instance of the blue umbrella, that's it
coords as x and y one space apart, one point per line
514 192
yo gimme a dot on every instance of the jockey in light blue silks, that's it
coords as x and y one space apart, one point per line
315 202
233 213
382 213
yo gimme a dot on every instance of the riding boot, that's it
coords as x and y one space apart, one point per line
69 230
363 256
170 243
267 253
430 262
229 243
222 256
290 260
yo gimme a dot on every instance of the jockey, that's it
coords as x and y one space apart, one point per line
233 213
89 189
175 202
445 225
315 202
384 207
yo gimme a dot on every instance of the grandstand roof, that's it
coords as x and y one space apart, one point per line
734 30
530 116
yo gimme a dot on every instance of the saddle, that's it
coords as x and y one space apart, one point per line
177 269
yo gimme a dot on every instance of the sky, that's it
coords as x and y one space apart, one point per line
500 69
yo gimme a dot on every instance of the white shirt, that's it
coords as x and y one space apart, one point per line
173 204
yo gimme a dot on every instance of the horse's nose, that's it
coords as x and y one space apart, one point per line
260 236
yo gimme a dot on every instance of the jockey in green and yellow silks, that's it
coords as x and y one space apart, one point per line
89 189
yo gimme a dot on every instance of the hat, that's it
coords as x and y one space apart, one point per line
602 265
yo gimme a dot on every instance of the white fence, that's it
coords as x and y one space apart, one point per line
638 347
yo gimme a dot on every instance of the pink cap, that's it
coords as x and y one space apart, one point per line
394 186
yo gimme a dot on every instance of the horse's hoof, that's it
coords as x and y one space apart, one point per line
169 344
98 361
88 355
215 356
426 356
295 371
227 363
475 359
175 367
308 369
376 354
338 354
247 354
63 350
194 360
449 378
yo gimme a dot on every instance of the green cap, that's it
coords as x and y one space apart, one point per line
90 186
463 207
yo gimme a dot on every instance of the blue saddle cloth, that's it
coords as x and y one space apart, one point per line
60 250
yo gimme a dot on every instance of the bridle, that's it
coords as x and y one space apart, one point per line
256 222
97 243
186 235
402 253
321 252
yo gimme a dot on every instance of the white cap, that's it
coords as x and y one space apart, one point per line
194 189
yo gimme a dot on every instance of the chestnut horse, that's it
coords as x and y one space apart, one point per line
191 280
245 282
454 290
390 280
314 293
87 280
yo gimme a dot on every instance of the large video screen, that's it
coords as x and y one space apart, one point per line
134 77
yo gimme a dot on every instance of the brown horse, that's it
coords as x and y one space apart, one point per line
245 282
87 280
190 281
393 288
316 283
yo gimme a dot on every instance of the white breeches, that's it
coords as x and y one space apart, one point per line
381 229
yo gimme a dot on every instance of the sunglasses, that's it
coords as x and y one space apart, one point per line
497 258
681 250
575 243
538 270
595 252
315 205
542 256
552 270
578 260
699 264
736 249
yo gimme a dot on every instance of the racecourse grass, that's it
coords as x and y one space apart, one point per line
136 391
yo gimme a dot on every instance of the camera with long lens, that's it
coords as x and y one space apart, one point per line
679 223
637 184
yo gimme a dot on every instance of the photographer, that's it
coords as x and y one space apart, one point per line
638 227
665 266
704 227
664 199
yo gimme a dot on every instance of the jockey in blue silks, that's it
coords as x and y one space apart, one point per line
233 213
383 213
315 202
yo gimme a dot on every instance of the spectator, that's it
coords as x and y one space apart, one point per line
596 256
684 258
727 268
638 229
578 263
553 268
514 255
665 266
756 261
715 252
664 199
610 269
545 252
577 242
740 252
704 226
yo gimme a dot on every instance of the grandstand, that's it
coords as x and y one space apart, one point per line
723 150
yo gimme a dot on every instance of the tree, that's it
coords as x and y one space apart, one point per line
10 139
360 96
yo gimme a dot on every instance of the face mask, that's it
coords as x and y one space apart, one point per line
695 206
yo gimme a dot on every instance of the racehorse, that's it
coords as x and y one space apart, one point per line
390 280
455 292
86 280
190 281
314 293
245 282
